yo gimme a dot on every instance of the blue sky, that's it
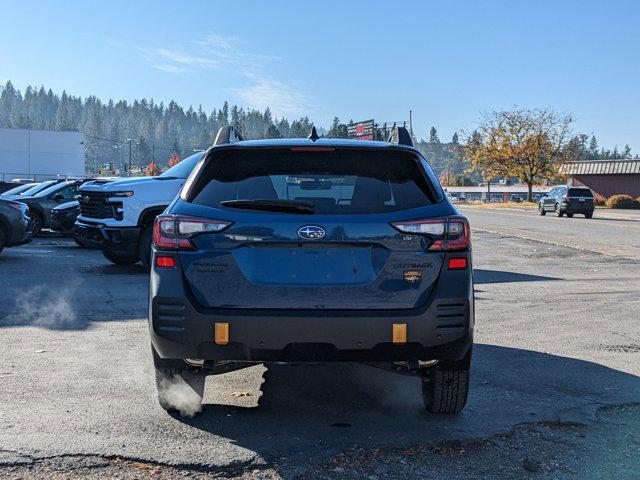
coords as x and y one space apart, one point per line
448 61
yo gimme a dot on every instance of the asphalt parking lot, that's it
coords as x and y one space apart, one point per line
555 379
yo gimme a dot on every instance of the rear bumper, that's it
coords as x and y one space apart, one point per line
441 329
577 207
120 239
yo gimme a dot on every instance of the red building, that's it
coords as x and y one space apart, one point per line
606 177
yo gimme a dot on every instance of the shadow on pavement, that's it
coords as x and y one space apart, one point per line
481 276
315 411
613 219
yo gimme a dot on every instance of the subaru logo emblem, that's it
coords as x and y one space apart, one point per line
311 232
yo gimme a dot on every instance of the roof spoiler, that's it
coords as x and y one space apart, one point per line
401 136
227 135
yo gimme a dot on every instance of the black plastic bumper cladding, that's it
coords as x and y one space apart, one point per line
123 239
441 329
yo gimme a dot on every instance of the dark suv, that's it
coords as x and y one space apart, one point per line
312 250
567 200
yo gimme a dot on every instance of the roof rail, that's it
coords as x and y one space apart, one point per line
227 135
401 136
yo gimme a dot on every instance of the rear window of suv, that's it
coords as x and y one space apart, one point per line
580 192
341 181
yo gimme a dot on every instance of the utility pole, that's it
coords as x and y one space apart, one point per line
411 123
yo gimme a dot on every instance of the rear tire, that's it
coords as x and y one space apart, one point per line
445 391
144 247
180 387
80 243
2 240
570 215
588 215
541 210
557 211
445 386
121 258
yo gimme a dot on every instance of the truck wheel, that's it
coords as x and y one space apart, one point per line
588 215
541 210
80 243
569 215
36 223
144 247
120 258
2 240
180 387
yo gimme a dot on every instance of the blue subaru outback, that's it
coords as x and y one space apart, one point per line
313 250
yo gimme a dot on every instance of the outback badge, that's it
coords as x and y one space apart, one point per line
412 276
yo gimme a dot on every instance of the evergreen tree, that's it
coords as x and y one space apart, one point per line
109 125
615 153
337 130
593 148
433 135
272 132
142 153
176 146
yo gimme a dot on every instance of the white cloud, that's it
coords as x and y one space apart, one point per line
170 69
114 42
185 59
214 51
216 41
208 51
282 99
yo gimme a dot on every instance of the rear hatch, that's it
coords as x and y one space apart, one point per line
312 229
580 199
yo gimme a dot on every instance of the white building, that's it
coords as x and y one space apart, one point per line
499 193
40 154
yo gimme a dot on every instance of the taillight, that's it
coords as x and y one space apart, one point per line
448 233
174 232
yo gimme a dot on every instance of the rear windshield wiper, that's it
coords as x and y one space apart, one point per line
294 206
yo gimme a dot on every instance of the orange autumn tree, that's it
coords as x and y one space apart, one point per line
522 143
152 169
174 160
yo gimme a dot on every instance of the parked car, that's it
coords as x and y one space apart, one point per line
14 224
569 201
116 215
63 218
17 190
375 266
36 188
44 201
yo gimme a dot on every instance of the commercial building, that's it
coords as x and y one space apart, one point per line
606 177
498 193
40 154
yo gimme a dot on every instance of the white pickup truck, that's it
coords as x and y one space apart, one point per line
117 215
